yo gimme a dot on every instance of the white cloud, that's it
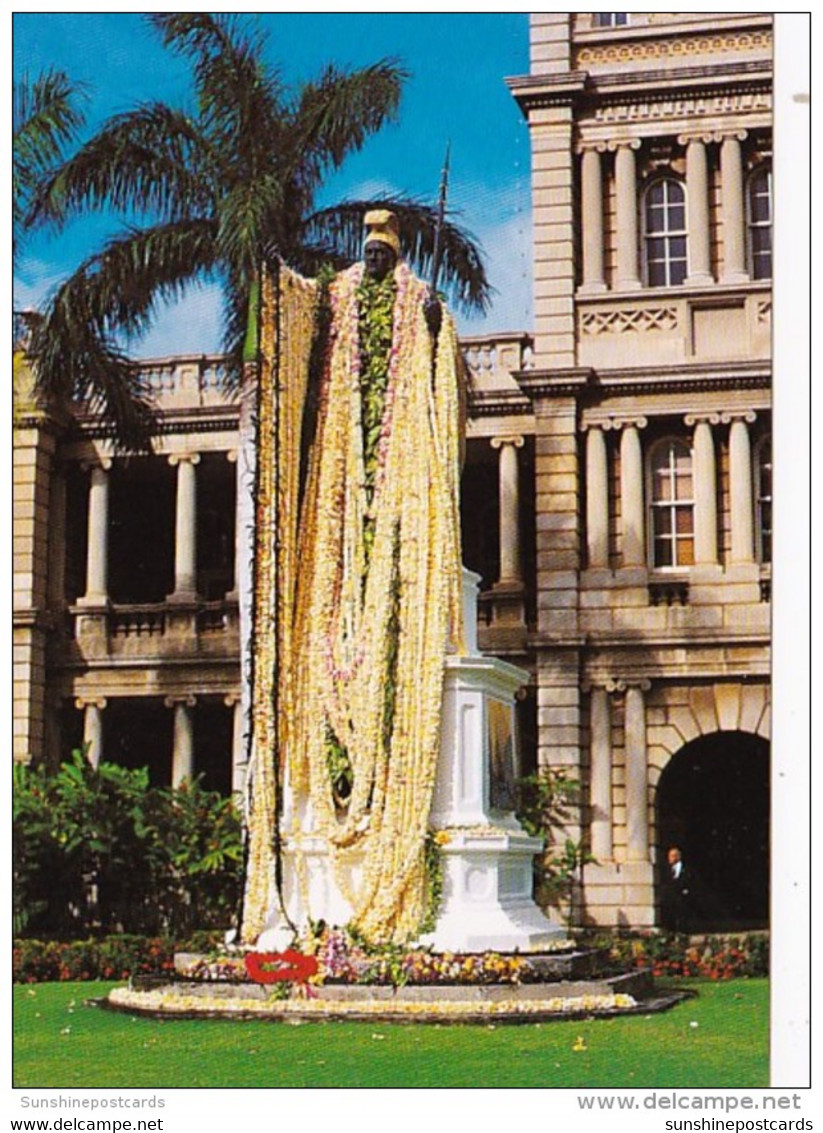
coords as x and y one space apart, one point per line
192 325
508 250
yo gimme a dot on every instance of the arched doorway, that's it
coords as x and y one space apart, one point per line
713 803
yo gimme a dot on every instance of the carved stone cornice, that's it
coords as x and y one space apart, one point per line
684 378
535 92
498 403
554 383
214 419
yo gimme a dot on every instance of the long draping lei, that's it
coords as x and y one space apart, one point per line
287 321
366 623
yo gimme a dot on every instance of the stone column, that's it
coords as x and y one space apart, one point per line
510 565
705 489
741 493
185 529
92 727
637 773
631 494
601 776
734 213
597 498
591 175
627 275
182 760
697 201
97 559
238 748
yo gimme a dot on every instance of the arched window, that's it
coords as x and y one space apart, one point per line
671 495
759 205
763 481
610 19
664 231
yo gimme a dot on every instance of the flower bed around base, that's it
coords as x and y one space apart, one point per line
175 1002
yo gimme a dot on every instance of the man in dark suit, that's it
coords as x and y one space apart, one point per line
678 905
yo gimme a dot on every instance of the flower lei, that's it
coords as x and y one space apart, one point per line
377 597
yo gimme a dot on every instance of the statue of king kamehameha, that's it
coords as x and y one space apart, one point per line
350 590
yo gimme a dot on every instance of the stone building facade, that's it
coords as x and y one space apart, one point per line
616 495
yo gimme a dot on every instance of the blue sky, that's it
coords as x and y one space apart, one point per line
456 92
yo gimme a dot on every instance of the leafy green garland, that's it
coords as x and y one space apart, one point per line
376 307
376 314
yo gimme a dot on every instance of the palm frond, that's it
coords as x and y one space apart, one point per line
462 273
153 158
114 292
248 217
336 114
46 117
238 96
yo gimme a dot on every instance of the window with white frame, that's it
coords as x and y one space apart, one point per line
671 504
610 19
759 206
763 481
664 233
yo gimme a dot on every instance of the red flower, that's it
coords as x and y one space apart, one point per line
275 967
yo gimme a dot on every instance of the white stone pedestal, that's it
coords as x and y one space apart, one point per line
486 855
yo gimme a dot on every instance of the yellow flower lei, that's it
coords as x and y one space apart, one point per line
335 655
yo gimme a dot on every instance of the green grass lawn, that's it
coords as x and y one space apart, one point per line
718 1039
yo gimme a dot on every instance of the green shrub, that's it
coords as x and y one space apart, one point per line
111 958
547 802
98 850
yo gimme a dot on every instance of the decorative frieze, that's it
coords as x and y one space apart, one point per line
685 107
684 48
628 319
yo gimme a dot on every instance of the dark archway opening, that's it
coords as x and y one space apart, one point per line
713 803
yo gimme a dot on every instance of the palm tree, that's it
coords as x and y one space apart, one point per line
220 191
46 118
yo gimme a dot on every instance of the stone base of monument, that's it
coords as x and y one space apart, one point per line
569 987
487 893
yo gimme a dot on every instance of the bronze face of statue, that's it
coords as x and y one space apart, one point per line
379 259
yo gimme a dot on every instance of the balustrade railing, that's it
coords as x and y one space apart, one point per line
137 621
145 628
490 359
493 359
